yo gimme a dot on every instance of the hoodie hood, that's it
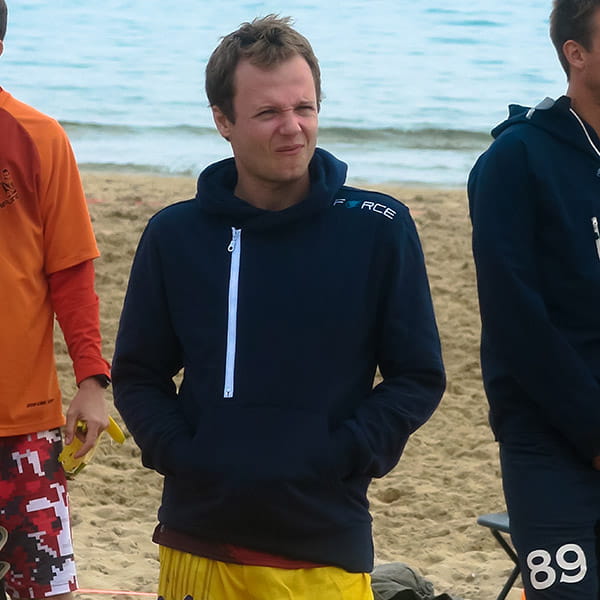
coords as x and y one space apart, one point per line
217 182
557 118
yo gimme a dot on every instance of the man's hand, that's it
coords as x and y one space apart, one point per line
88 406
596 463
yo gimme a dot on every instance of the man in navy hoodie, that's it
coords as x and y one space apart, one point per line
535 203
278 291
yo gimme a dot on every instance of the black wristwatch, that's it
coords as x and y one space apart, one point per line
103 380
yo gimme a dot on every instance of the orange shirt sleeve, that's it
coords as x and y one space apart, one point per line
77 309
68 234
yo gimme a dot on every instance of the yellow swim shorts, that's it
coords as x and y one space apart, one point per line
183 574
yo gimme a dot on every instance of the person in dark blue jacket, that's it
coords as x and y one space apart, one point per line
277 291
535 204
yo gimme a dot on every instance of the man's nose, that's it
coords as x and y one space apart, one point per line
290 122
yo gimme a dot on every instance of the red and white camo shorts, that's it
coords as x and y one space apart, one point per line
34 509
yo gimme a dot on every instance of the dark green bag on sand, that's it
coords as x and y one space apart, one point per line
397 581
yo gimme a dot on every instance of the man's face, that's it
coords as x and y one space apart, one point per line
276 121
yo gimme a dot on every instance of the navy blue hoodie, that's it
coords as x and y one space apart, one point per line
278 320
535 203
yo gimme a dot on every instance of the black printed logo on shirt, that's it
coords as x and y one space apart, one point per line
9 190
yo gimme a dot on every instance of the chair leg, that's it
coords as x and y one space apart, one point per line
507 547
515 572
509 583
498 523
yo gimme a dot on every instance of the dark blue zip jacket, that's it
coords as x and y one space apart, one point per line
534 201
278 320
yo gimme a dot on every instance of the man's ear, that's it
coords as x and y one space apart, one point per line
1 47
575 54
222 123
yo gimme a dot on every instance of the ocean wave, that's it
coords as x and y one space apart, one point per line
80 128
419 138
137 169
383 137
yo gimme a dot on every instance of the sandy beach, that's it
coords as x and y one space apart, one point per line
424 511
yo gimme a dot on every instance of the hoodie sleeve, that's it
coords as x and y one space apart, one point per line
516 324
147 357
409 359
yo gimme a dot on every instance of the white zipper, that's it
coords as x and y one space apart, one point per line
594 219
234 249
596 234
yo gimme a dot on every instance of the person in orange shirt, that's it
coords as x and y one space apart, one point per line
47 247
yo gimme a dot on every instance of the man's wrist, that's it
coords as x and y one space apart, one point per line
101 379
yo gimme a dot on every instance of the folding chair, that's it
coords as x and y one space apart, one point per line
498 524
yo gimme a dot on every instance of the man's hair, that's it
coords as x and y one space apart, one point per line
572 20
3 19
265 42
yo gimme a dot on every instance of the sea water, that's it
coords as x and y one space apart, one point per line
411 89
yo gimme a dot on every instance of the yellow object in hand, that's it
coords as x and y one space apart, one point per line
73 465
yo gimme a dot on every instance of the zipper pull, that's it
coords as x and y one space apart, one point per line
596 234
235 234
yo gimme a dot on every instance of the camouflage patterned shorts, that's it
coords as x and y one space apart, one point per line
34 509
